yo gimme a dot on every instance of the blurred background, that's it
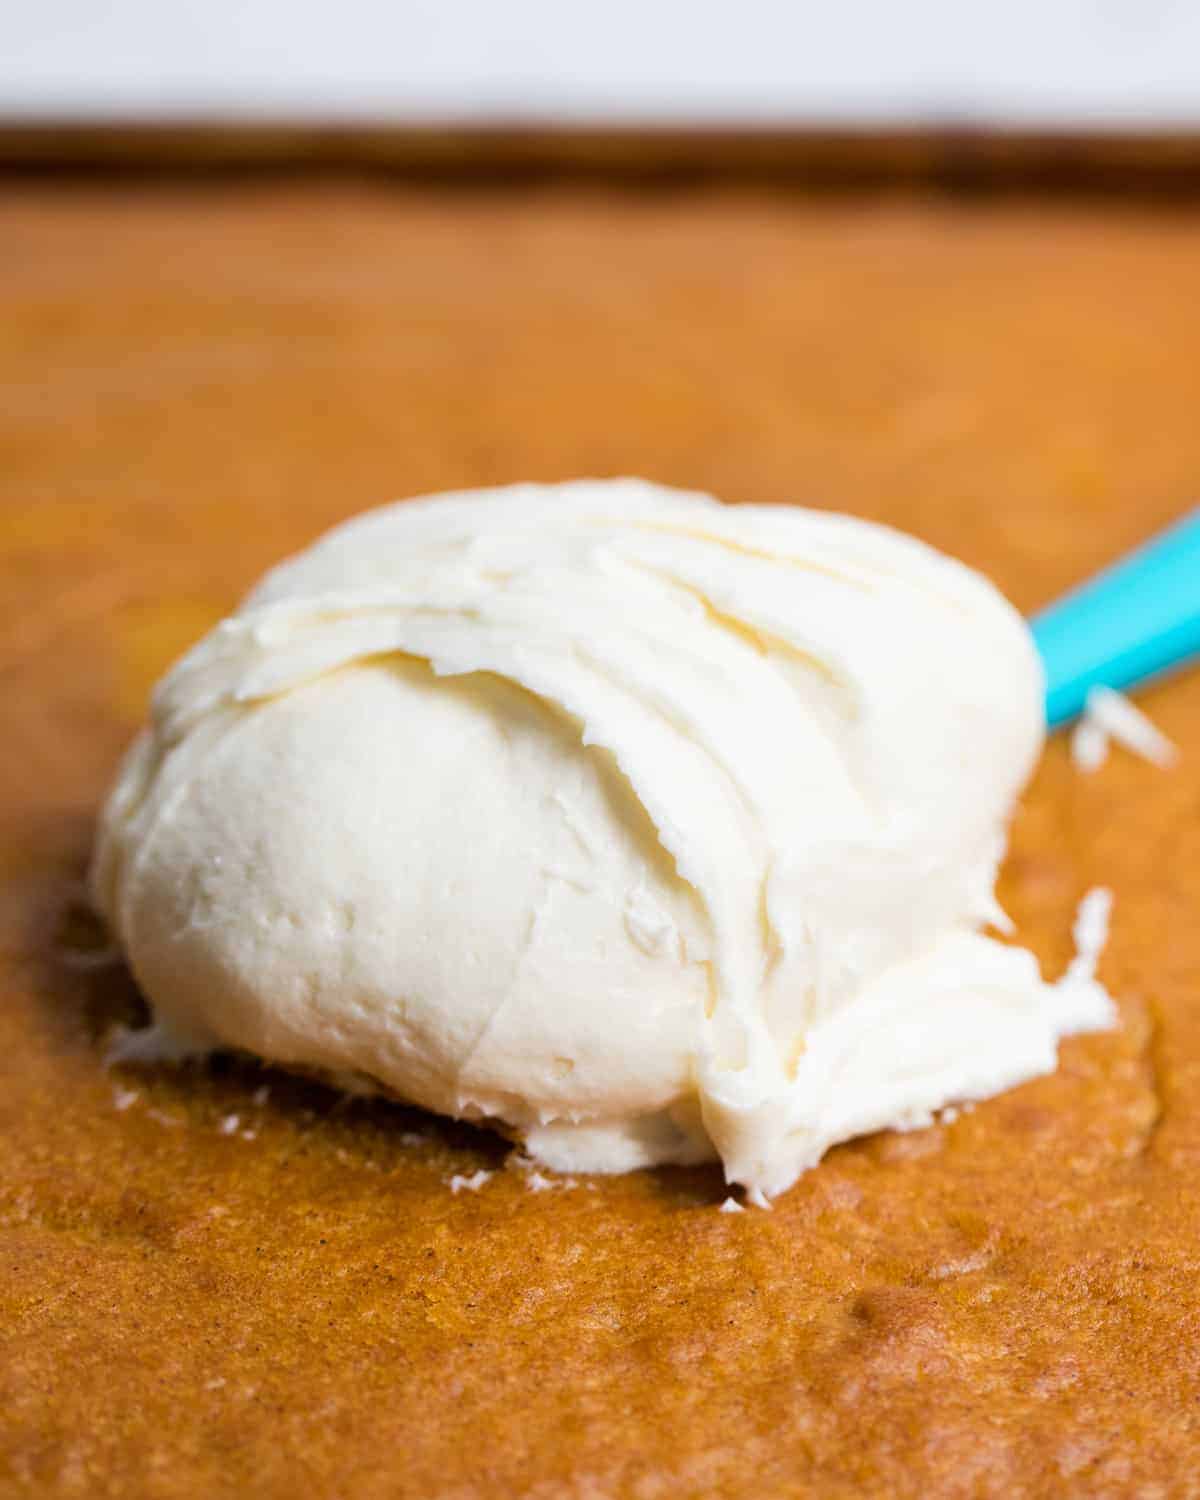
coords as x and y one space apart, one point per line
268 262
1114 83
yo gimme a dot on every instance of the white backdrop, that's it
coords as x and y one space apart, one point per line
1019 62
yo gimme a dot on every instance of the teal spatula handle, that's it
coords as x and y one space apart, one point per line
1132 621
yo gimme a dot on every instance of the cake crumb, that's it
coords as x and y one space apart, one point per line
472 1184
731 1206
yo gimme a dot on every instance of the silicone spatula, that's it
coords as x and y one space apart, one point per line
1138 619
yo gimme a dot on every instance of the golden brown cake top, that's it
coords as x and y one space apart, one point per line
198 380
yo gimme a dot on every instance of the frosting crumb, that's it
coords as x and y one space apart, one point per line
1089 746
1109 715
538 1182
731 1206
472 1184
1090 932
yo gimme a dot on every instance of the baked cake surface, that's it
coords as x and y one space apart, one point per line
208 1291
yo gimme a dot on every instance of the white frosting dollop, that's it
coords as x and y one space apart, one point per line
653 828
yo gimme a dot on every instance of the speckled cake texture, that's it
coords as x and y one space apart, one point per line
224 1281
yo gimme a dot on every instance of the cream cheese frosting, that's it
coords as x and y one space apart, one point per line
654 829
